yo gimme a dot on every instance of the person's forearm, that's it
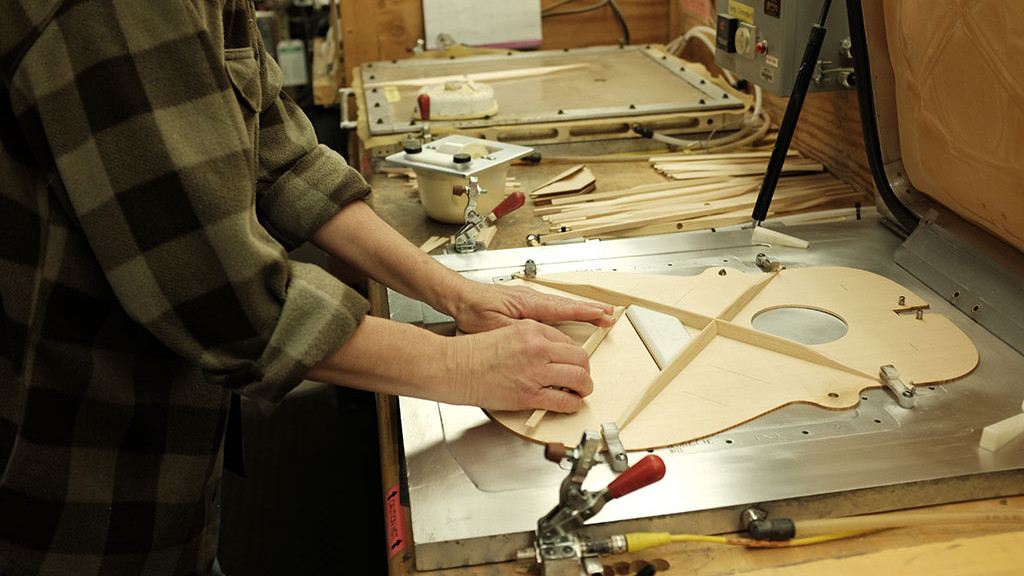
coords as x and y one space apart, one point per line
516 367
357 236
395 358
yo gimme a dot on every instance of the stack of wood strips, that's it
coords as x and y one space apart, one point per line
693 166
706 191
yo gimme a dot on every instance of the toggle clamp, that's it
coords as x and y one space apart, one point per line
559 549
465 238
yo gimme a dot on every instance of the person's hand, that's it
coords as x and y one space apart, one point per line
522 365
481 307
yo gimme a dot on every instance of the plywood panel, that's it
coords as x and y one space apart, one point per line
648 22
379 31
731 373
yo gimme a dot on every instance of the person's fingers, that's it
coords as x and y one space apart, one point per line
555 400
549 308
550 333
571 377
597 314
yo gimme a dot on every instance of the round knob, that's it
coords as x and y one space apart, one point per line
412 146
462 158
555 452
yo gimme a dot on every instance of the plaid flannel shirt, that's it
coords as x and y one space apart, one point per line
152 176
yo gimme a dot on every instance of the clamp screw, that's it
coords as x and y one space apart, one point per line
530 269
752 515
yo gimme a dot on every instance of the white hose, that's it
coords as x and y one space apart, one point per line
754 127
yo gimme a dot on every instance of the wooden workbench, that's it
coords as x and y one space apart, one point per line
933 550
401 208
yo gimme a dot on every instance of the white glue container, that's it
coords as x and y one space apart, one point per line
450 161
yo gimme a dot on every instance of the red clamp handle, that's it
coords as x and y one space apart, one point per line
645 472
424 102
511 202
458 189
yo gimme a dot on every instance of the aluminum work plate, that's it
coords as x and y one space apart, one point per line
476 491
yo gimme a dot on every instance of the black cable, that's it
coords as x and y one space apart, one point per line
869 125
590 8
611 3
622 20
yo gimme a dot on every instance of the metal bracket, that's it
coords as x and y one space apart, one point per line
617 457
904 392
768 263
345 123
465 238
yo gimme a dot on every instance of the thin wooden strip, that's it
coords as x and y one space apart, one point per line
749 294
673 205
670 204
712 208
785 346
687 193
480 77
698 166
717 156
433 243
693 165
616 298
702 223
753 170
643 189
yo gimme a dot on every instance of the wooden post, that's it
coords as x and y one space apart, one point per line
382 30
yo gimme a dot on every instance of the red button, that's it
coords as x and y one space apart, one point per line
761 47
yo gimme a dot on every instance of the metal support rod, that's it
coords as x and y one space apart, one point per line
788 125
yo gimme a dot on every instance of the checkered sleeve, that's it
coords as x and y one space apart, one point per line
299 184
152 119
